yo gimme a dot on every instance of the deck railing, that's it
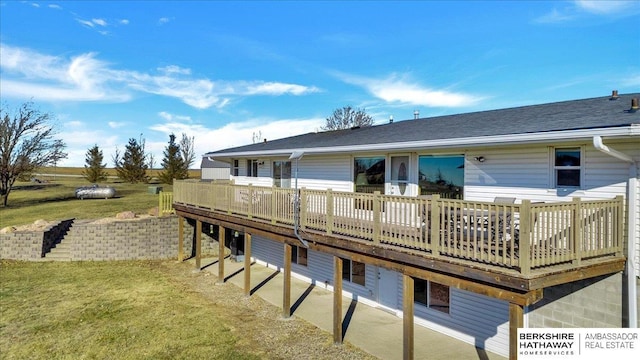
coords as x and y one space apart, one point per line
516 236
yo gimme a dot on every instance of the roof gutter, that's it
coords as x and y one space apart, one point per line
632 199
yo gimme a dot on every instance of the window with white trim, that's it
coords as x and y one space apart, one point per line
353 271
567 167
299 255
236 167
432 295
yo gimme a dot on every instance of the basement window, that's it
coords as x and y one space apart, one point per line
299 255
432 295
353 271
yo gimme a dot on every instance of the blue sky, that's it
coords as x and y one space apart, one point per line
228 73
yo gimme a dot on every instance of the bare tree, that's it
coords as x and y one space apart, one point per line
26 143
187 151
346 118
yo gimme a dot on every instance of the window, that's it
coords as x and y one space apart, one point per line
252 168
368 174
235 167
353 271
567 167
442 175
282 174
299 255
432 295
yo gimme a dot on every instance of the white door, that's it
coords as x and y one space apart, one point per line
399 176
388 288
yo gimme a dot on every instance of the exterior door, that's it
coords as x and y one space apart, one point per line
399 176
388 288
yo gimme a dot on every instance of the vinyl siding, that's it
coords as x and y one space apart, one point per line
215 173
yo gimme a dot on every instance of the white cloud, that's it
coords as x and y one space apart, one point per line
163 20
100 22
116 124
124 22
580 8
55 6
27 74
31 74
237 133
86 23
35 5
396 89
606 7
274 88
170 117
555 16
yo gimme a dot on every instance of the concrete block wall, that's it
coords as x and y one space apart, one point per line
32 245
590 303
21 245
143 239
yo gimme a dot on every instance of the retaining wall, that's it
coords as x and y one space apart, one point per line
141 239
32 245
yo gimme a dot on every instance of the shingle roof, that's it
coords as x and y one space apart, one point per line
601 112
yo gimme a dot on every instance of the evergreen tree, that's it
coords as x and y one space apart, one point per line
132 167
94 170
173 163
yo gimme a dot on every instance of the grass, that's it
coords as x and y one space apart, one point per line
55 200
106 310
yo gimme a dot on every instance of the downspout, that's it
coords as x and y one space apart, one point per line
296 201
632 199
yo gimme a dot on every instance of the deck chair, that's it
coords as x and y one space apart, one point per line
502 219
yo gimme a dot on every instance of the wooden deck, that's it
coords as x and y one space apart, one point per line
520 246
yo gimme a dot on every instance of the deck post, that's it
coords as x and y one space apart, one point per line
329 212
274 204
407 318
620 221
377 217
250 201
577 230
302 210
433 222
221 238
516 320
286 288
180 238
337 300
198 243
247 264
524 243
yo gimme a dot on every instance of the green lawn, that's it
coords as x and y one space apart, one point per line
55 200
107 310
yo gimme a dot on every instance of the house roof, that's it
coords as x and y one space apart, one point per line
213 164
560 120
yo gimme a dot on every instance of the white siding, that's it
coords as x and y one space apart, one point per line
319 269
215 173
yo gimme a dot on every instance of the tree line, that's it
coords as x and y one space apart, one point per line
27 142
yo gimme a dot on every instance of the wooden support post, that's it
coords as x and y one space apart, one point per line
337 300
286 288
377 217
524 248
180 238
221 238
577 230
198 243
247 264
407 318
434 224
516 320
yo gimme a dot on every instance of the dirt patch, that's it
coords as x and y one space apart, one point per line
258 324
